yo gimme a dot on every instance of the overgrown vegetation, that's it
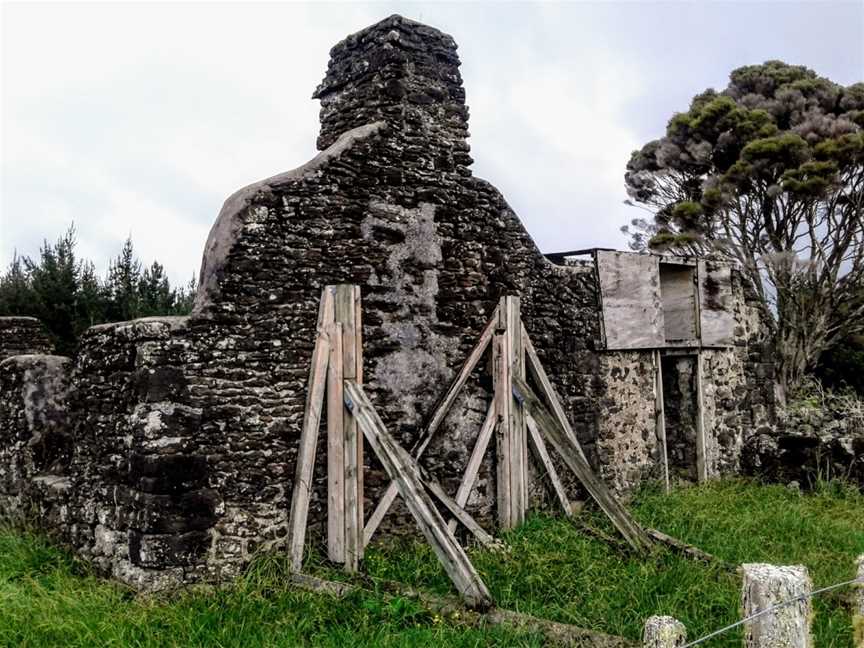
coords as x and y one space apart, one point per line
64 291
554 570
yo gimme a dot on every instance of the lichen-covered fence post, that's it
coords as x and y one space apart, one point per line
664 632
858 605
765 586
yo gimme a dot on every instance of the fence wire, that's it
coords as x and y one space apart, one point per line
773 608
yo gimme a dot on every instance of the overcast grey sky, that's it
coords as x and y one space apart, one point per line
142 118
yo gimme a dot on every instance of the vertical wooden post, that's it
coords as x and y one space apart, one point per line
335 451
347 309
767 585
660 414
663 632
858 605
503 401
518 430
701 440
358 344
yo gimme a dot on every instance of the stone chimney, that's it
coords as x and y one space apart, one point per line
401 72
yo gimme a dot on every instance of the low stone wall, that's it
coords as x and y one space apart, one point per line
810 443
141 504
35 439
22 336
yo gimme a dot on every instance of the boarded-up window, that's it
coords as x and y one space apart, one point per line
678 292
630 290
715 303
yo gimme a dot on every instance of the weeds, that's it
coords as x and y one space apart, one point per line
555 571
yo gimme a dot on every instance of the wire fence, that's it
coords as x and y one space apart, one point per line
773 608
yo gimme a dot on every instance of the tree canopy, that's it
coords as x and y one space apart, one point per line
770 173
66 294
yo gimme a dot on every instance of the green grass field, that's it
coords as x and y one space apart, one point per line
553 570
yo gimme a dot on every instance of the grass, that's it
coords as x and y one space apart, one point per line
553 570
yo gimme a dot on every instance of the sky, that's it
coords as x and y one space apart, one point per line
140 119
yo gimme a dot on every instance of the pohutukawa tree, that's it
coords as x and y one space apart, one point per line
770 173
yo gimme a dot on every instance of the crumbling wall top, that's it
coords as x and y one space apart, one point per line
398 71
23 336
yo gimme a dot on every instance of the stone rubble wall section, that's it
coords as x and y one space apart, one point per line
23 336
35 439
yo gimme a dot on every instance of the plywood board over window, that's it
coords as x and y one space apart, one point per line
715 304
632 306
678 292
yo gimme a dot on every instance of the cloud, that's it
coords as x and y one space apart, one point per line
143 118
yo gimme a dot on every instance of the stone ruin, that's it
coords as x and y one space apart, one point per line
164 451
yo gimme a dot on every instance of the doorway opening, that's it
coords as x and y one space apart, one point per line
681 415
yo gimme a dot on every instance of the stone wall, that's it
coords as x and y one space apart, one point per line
23 336
811 442
185 430
35 437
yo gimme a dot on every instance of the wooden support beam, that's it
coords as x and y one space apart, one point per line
402 468
431 428
461 515
545 460
502 381
309 433
557 429
476 459
518 439
660 418
346 310
690 551
335 450
701 440
554 633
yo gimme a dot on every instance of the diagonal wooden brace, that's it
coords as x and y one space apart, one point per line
560 434
405 472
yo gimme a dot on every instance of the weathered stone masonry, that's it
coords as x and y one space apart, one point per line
180 434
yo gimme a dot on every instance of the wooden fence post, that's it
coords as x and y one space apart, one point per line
663 632
767 585
858 605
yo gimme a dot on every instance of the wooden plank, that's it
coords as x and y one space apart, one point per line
501 379
476 459
716 314
346 312
461 515
660 418
561 435
335 450
701 441
554 633
429 431
690 551
678 290
358 332
309 434
402 468
632 304
545 460
518 439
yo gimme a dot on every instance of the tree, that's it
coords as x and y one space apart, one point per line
54 281
769 173
124 274
68 296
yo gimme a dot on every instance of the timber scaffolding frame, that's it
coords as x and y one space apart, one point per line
517 417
